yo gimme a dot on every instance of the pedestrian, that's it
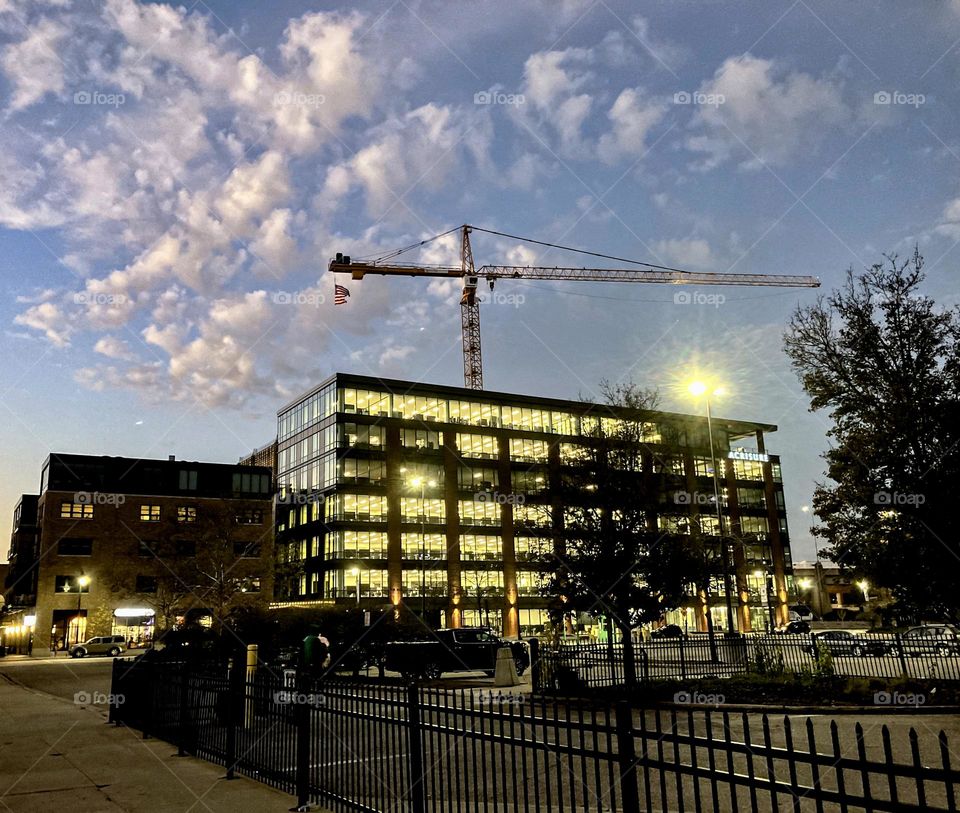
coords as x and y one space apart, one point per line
53 646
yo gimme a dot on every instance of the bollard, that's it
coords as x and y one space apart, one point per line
248 685
506 671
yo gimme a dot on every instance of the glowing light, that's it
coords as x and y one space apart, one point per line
697 388
30 620
132 612
83 581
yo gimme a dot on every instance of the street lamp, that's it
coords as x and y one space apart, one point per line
698 388
864 586
356 574
422 483
82 581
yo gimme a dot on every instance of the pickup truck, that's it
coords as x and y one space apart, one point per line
468 649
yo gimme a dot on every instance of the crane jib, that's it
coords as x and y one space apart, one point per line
656 276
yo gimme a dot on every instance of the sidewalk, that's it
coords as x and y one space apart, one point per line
55 755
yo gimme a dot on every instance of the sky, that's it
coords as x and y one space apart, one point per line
174 179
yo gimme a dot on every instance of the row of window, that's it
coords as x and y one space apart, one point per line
374 583
153 513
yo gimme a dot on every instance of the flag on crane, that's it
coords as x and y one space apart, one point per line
340 294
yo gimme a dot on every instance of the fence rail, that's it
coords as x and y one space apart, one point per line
573 666
351 745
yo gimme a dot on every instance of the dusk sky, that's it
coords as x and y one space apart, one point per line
175 179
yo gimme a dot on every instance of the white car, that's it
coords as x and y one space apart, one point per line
800 612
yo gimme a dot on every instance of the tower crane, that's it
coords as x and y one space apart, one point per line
470 302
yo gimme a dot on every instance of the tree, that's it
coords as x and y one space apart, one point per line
612 561
884 362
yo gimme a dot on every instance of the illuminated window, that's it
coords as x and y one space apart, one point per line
413 509
474 445
528 450
186 513
252 516
479 512
488 548
149 513
76 510
424 546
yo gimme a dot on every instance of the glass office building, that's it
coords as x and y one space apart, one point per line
443 499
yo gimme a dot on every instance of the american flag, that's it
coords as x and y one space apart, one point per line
340 294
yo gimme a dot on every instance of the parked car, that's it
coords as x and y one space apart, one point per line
794 628
845 642
668 631
801 612
931 639
112 645
468 649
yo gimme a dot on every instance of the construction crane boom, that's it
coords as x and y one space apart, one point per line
469 302
497 272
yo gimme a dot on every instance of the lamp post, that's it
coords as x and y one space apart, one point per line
422 483
864 586
82 581
698 388
356 574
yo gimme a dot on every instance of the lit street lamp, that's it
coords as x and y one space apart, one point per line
82 581
356 574
698 388
864 586
422 483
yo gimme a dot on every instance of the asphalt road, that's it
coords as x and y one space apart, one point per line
63 677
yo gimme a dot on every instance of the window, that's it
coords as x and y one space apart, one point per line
186 547
149 513
529 451
70 584
146 584
477 445
246 550
76 510
250 585
75 547
186 513
188 480
251 483
251 516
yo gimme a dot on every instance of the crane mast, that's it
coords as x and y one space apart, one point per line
470 302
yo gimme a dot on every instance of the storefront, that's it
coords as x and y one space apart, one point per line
135 624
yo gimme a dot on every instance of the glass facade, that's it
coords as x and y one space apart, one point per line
444 494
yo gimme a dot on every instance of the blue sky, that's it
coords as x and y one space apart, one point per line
174 181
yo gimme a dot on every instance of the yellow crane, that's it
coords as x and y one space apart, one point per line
470 303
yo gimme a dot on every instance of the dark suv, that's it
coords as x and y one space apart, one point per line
112 645
931 639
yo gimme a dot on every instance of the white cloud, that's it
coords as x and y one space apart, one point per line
48 318
949 224
631 117
114 348
763 114
34 65
687 253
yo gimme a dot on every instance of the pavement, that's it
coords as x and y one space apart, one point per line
57 753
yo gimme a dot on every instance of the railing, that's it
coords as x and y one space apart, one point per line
349 745
568 666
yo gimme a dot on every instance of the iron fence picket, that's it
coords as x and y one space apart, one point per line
379 747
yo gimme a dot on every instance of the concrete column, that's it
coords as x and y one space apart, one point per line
511 616
781 599
693 507
451 501
735 530
394 539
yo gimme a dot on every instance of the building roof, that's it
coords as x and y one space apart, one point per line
736 428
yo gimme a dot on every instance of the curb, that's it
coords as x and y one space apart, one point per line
768 709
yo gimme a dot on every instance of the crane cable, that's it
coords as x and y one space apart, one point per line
580 250
397 252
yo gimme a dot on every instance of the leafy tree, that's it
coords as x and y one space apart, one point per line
612 561
884 362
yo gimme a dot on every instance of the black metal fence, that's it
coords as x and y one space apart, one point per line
573 666
351 745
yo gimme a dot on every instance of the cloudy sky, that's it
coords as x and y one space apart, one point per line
175 178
